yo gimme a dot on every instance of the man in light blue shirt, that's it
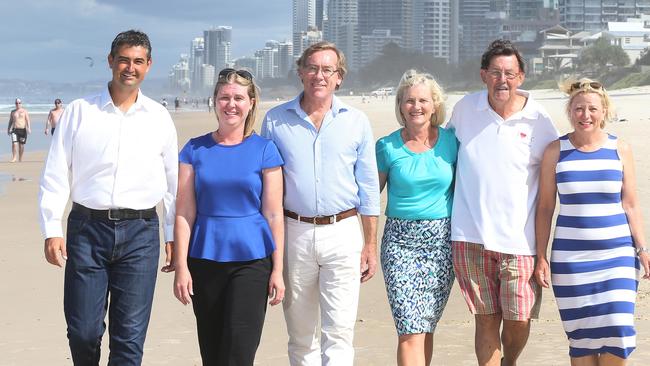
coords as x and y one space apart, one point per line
330 176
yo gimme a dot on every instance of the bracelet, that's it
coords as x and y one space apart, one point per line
642 250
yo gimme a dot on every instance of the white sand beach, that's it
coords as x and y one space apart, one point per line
32 326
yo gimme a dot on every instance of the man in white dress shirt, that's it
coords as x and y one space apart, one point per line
116 156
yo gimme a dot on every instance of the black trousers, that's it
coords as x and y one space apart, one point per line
229 304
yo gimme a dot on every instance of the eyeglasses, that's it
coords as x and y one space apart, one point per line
509 75
327 71
243 73
585 85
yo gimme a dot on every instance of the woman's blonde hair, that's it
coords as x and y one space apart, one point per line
575 87
412 78
235 77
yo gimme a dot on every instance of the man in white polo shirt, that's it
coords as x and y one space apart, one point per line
502 133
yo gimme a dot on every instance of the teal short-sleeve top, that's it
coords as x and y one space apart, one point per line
420 185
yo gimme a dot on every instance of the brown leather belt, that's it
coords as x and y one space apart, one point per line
322 220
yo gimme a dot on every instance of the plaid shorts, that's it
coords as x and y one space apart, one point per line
497 283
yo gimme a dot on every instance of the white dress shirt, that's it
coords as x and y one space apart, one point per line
104 158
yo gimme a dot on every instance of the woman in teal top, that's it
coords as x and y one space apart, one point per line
418 163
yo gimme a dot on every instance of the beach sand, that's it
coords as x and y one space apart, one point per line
32 325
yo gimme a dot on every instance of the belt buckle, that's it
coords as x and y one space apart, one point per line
332 219
111 217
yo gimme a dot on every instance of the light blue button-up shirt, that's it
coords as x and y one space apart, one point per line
326 171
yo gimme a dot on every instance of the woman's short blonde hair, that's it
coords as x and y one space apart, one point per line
575 87
253 93
412 78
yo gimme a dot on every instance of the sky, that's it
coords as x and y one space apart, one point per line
49 39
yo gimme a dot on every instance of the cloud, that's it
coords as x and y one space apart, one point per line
50 38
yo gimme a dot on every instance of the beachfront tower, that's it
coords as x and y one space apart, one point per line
304 18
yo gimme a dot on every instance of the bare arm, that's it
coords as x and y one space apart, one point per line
383 178
11 122
544 212
272 211
49 122
369 251
631 206
28 124
185 216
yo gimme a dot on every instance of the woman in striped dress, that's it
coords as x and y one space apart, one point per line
599 243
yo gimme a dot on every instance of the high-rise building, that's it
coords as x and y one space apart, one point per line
218 46
479 23
372 45
197 48
285 59
179 77
526 9
593 15
342 28
249 63
209 78
304 17
310 37
320 13
438 35
394 15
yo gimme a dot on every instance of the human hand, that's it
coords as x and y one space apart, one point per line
183 285
169 258
542 271
368 262
276 288
54 246
644 260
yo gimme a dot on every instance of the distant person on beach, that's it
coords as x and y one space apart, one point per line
229 231
164 102
177 104
54 116
120 152
210 104
19 127
599 241
502 134
417 162
330 177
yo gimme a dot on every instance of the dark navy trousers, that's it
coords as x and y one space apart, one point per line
112 265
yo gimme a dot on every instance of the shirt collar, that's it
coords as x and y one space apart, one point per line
338 106
106 100
527 112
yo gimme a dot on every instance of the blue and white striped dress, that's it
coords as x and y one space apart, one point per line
593 261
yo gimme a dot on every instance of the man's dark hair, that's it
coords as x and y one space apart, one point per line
131 38
502 47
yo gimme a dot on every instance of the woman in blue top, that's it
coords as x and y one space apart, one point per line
229 227
418 163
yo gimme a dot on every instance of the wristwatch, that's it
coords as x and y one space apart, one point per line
642 250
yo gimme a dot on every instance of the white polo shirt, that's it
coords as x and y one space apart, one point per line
497 173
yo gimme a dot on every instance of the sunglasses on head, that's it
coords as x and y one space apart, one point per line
243 73
584 85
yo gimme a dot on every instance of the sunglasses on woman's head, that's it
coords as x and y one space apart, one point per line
243 73
583 85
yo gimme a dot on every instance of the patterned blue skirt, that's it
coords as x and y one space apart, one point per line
418 272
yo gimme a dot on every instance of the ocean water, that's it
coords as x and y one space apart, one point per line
33 108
